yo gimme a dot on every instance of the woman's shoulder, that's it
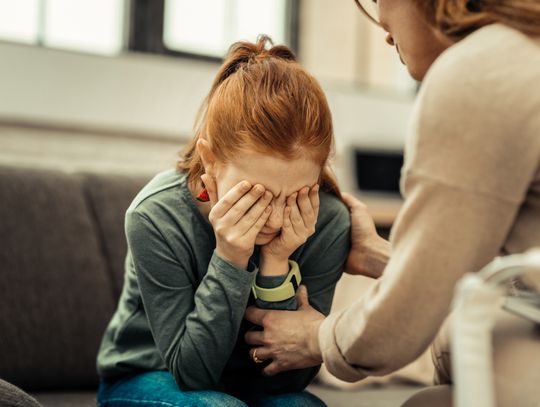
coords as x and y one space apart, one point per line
479 91
474 122
495 60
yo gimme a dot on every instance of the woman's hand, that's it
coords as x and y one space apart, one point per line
237 218
299 219
369 252
289 338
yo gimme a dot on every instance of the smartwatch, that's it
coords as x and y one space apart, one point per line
283 292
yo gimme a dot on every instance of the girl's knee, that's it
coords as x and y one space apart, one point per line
214 398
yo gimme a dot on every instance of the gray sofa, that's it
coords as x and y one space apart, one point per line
61 269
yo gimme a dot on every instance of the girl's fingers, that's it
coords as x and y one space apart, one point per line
287 225
254 214
242 207
211 187
291 199
259 224
297 222
229 199
315 200
306 210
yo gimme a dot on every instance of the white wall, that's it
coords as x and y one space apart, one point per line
156 97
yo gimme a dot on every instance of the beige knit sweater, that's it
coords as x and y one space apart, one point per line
471 182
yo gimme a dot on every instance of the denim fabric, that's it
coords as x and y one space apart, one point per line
158 389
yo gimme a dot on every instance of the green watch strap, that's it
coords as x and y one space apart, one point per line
283 292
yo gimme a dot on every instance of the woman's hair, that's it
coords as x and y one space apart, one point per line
458 18
262 100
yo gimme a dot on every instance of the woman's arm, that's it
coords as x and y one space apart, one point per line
470 161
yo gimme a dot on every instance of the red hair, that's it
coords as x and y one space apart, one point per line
263 100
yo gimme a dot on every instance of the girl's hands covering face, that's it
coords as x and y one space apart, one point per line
237 218
299 219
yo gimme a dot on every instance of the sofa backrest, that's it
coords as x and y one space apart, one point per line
108 197
61 253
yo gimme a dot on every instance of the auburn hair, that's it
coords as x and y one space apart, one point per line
263 100
458 18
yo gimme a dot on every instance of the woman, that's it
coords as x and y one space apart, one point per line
471 183
241 214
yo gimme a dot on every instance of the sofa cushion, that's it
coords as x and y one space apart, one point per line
108 197
56 294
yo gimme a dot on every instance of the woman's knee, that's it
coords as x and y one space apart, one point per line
440 354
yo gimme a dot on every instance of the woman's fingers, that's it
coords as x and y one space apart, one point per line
260 354
272 369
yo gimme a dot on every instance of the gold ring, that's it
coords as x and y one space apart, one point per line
255 358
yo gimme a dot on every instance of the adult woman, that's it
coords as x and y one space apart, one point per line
470 182
242 207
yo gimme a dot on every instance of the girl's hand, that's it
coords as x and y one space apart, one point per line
299 219
237 218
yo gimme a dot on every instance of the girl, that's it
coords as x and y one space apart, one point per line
471 182
240 220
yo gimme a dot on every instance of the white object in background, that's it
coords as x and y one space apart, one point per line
477 299
209 27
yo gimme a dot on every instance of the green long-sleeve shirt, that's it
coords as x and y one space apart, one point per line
182 306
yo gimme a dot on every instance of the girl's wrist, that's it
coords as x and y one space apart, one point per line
273 266
237 261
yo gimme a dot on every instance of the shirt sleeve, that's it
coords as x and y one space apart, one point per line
464 180
195 326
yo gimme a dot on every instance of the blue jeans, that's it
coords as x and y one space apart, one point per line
158 389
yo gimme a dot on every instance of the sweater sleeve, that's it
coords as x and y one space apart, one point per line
465 177
194 326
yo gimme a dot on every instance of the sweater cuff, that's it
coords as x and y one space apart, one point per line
270 281
332 357
235 273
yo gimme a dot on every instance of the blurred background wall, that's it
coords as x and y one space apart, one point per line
115 85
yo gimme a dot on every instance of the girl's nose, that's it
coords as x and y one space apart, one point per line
390 39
